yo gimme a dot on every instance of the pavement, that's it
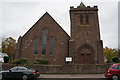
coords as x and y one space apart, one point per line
71 76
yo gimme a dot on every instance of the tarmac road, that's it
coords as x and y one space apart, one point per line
72 77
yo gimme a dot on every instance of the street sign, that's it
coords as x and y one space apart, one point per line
68 59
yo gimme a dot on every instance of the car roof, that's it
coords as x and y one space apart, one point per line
20 66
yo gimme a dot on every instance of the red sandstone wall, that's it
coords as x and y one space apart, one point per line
53 29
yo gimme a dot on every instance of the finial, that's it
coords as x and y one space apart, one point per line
81 4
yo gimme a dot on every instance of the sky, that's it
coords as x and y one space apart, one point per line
18 16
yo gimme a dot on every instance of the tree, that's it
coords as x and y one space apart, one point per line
8 46
110 53
2 44
0 49
118 52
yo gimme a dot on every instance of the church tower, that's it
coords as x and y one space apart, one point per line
85 46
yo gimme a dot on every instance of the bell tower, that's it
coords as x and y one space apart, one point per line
85 45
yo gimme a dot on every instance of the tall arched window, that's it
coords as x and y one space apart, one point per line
87 35
82 34
87 19
52 42
81 19
35 45
44 37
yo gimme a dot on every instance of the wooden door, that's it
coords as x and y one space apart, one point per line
88 59
82 59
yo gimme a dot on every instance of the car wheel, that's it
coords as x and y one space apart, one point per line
25 77
114 77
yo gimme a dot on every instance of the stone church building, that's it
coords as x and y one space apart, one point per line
47 39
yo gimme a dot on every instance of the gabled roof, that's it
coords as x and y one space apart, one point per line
55 22
46 14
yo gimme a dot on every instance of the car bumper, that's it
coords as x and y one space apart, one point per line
107 75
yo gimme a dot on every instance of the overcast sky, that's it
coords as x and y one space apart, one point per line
18 16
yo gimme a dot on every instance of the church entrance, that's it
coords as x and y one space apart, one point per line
85 58
85 55
88 59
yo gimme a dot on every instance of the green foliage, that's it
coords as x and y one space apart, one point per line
8 46
108 61
110 53
16 62
21 61
35 63
6 59
42 61
116 60
3 47
119 53
0 49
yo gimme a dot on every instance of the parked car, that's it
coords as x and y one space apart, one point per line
20 72
113 72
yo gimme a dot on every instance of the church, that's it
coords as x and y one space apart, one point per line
47 39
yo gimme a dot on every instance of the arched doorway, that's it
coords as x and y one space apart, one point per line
85 54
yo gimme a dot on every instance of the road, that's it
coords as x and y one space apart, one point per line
72 77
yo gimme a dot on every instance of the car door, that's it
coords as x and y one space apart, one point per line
15 73
11 73
20 71
114 70
119 70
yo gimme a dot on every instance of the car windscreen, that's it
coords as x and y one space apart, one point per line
14 68
22 68
19 69
108 66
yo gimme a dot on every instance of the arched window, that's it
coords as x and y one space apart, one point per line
82 34
35 45
52 42
87 35
44 37
81 19
87 19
